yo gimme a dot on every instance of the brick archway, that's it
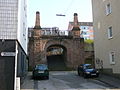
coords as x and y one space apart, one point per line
39 45
58 59
42 38
60 43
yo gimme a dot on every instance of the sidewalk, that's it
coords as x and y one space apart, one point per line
112 81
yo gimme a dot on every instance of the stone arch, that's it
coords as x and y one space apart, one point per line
62 43
74 48
39 42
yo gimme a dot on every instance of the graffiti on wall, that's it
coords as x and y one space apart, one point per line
99 63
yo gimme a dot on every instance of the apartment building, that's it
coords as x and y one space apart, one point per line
86 29
13 42
107 35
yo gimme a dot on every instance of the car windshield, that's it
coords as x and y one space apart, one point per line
41 67
89 67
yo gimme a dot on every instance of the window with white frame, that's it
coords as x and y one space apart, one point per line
110 33
112 57
108 9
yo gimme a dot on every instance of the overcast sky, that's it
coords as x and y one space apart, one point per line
49 8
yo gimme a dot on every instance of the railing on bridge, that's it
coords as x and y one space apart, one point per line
55 32
50 32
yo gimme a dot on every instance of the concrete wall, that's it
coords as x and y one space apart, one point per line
102 44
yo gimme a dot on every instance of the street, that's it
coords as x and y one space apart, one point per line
63 80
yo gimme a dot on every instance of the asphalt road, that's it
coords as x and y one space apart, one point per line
63 80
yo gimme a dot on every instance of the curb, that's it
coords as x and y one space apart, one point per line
103 81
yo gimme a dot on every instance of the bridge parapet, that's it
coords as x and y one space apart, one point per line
49 32
55 32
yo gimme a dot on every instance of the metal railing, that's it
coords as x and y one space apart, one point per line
55 32
49 32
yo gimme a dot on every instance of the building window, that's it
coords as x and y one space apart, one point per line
112 57
108 9
110 34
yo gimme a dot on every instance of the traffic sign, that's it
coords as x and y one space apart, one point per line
8 53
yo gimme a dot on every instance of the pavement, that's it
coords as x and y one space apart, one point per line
110 80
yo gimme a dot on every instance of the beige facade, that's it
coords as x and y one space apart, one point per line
107 35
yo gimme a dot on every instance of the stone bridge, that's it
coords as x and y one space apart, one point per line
42 41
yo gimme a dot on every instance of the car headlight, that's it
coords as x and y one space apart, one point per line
87 72
97 71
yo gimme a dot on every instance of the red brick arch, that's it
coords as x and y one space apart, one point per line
74 47
39 41
64 44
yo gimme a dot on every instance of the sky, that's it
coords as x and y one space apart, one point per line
49 8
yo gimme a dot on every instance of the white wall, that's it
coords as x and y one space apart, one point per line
22 33
102 44
8 19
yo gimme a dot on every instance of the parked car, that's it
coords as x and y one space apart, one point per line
41 70
86 70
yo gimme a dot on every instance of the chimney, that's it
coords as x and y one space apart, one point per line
75 24
76 27
37 22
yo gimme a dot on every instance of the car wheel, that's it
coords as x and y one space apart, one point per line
84 75
97 75
79 73
33 77
47 77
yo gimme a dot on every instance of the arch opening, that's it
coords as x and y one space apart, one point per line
57 57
